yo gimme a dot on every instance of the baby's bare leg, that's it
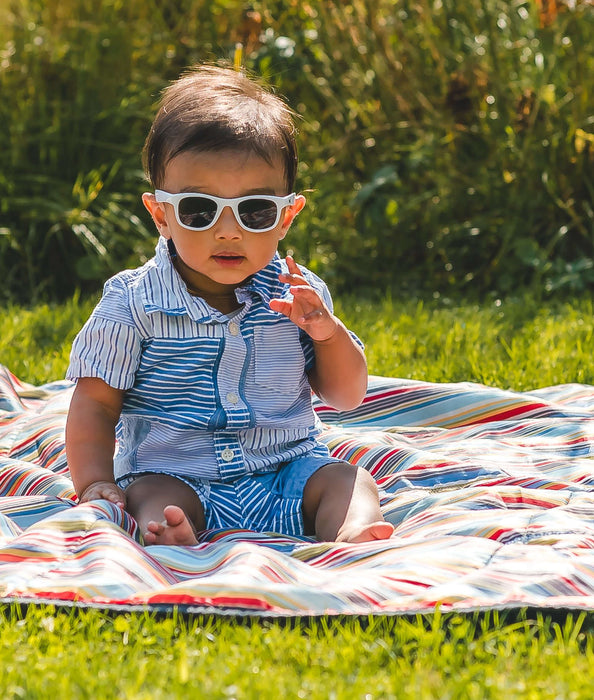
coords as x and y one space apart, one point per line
341 502
167 510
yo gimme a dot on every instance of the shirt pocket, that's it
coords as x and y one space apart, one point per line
279 363
176 373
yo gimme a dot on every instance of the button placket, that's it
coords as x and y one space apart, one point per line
229 376
229 456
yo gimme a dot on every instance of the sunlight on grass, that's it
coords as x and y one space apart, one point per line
515 344
89 654
35 343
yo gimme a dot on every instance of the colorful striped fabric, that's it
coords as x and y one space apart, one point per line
491 493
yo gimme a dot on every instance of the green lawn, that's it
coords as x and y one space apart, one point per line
518 344
84 654
48 653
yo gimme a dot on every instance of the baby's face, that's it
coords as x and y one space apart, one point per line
225 254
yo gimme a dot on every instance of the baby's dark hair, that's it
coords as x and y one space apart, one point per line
211 109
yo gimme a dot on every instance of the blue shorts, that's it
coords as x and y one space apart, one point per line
263 501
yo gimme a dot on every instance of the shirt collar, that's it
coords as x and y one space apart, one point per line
265 282
168 294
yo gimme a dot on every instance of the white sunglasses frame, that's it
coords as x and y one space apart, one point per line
222 202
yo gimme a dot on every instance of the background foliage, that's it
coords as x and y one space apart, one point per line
446 147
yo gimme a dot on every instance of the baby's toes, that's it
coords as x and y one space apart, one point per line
149 538
155 527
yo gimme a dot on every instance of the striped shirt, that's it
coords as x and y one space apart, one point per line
207 395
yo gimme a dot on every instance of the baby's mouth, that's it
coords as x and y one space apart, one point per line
228 258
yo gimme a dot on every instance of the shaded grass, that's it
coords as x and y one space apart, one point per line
448 145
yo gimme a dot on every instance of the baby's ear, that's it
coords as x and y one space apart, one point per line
292 211
157 212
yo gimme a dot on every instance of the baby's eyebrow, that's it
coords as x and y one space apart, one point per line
247 193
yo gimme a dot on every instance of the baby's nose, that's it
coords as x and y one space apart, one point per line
227 226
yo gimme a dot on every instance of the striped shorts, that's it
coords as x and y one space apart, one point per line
264 502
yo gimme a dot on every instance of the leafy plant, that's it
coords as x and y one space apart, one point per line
79 81
464 130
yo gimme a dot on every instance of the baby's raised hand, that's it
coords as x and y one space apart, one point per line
103 490
307 309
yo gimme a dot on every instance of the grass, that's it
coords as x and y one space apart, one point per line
520 344
516 343
88 654
35 342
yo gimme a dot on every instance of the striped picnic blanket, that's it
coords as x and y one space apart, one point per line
491 493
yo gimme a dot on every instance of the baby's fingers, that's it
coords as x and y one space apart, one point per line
115 498
294 276
307 295
292 265
106 491
281 306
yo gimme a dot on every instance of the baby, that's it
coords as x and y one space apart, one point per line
201 362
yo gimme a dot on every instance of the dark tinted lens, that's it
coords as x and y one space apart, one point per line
197 212
257 214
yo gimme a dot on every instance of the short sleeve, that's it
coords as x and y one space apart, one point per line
306 342
109 344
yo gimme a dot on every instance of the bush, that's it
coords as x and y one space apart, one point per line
449 143
79 80
445 147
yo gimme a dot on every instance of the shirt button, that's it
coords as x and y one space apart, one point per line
233 328
227 455
232 398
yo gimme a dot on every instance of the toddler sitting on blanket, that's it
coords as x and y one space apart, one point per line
202 361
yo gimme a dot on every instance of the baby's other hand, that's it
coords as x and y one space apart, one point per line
106 490
307 309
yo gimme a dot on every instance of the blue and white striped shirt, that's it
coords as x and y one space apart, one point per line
207 395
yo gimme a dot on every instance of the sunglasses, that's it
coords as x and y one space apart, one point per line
198 212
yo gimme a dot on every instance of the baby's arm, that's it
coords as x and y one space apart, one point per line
90 440
339 376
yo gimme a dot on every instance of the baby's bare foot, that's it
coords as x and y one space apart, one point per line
174 529
380 530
